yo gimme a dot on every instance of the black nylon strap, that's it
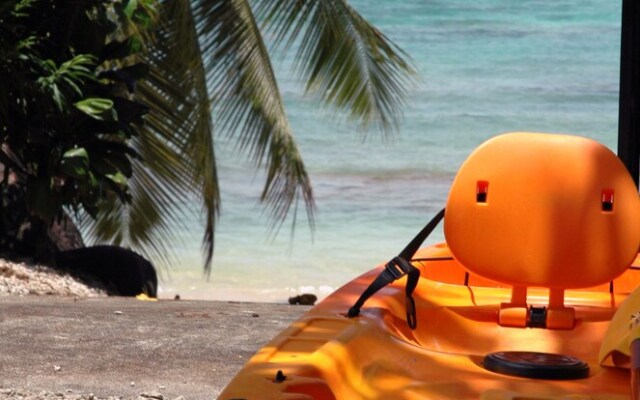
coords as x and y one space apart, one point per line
410 305
412 248
397 268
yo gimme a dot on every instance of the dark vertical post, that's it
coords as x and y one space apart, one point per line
629 112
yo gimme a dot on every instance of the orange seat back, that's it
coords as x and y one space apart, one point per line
554 211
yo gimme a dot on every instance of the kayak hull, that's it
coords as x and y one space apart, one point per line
325 355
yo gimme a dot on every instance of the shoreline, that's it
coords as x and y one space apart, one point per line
242 294
25 278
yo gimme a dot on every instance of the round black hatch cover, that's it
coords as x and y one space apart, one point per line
529 364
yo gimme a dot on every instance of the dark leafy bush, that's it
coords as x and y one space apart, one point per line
67 104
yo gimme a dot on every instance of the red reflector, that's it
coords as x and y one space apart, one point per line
482 189
607 199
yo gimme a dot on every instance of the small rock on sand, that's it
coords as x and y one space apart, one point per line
306 299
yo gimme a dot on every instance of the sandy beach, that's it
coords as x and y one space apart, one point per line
83 345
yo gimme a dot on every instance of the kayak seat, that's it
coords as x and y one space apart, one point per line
543 210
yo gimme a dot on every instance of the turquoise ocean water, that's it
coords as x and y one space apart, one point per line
487 67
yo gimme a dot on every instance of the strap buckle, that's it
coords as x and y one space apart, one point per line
398 267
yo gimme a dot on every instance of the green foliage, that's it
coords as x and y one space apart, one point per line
64 83
210 54
77 76
100 109
346 61
67 107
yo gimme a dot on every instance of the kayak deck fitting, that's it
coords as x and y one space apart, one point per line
542 238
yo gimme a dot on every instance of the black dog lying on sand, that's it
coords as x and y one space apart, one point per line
122 272
59 245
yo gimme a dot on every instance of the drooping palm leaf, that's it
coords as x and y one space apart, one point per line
213 50
176 144
345 61
185 120
248 100
141 225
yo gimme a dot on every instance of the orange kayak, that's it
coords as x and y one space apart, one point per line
325 355
532 317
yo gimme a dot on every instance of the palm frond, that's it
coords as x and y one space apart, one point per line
176 144
211 53
345 61
185 121
142 225
249 104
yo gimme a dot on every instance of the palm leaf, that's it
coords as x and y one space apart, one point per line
141 225
213 51
249 104
345 61
176 144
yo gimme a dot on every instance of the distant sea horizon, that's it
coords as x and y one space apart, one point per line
486 67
